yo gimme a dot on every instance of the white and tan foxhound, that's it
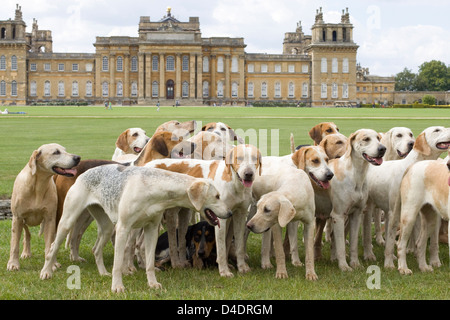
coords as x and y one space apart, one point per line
131 141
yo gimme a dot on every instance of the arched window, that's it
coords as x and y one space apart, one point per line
323 65
185 89
251 90
3 88
344 90
155 89
185 64
334 35
345 65
119 64
13 63
234 64
14 88
89 89
323 90
277 90
264 90
205 64
291 90
3 33
220 64
105 89
105 63
134 63
220 89
305 90
154 63
119 89
205 87
47 88
2 63
134 89
170 63
61 90
334 65
75 89
234 90
334 90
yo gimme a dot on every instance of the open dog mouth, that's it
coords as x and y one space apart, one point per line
71 172
376 161
402 155
211 217
137 149
443 145
246 183
322 184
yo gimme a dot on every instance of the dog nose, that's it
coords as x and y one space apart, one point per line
330 175
248 175
381 150
410 144
250 226
229 213
76 159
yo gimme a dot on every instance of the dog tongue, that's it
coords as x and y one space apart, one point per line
71 171
378 160
325 184
247 183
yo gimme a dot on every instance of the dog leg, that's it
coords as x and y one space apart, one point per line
183 222
391 231
308 235
406 227
320 223
222 256
292 229
171 216
16 233
26 252
434 242
281 272
239 229
77 233
151 238
338 221
428 224
355 220
265 250
368 213
122 233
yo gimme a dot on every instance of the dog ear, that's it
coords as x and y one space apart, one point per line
260 162
316 134
158 143
349 147
32 163
421 145
229 161
287 212
122 141
197 193
299 158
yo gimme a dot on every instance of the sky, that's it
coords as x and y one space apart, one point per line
391 35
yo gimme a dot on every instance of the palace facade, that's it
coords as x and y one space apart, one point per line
170 61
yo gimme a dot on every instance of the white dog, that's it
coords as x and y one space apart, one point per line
131 141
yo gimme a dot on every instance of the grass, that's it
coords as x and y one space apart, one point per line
91 132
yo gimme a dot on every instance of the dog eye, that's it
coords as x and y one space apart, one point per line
315 161
135 134
223 129
217 197
366 139
57 152
266 210
399 135
329 130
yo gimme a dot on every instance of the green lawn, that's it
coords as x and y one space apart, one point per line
91 132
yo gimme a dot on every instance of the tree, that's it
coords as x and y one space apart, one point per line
433 76
429 99
404 80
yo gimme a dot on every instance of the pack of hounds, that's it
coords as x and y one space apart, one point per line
209 190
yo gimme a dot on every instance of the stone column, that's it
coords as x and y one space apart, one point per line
192 76
112 69
141 76
241 90
162 76
98 77
199 76
227 77
213 62
126 85
148 75
178 83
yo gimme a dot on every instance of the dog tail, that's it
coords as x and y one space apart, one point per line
292 143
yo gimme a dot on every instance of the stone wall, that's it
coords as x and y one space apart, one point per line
5 209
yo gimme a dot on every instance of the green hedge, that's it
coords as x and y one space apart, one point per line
403 106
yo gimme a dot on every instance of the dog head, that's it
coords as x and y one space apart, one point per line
433 140
209 146
180 129
52 158
318 132
334 145
365 143
202 237
272 208
132 140
399 141
206 199
314 161
245 161
223 130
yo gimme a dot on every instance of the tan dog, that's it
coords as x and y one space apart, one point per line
318 132
180 129
222 130
424 189
131 141
34 198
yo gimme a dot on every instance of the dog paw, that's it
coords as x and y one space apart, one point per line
405 271
244 268
118 288
57 265
226 274
77 259
370 257
297 263
345 267
45 274
281 275
13 266
267 265
355 264
426 268
311 276
25 255
155 285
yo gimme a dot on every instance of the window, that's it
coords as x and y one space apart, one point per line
119 89
205 64
334 90
345 90
334 65
155 89
278 68
220 64
33 67
385 89
264 68
155 63
185 66
61 90
3 33
251 68
105 89
205 87
75 89
2 88
47 67
250 90
89 89
13 63
60 66
305 90
291 68
89 67
234 90
14 88
220 89
334 34
75 66
2 63
304 68
134 89
264 90
364 89
47 88
323 65
277 90
119 64
291 90
105 63
185 89
323 90
345 65
234 64
134 63
170 63
375 89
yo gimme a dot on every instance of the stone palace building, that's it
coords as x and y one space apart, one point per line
170 60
